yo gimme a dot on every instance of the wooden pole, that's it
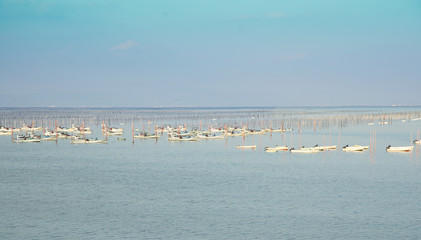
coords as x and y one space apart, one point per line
56 131
291 138
299 128
375 140
300 140
314 125
133 131
339 143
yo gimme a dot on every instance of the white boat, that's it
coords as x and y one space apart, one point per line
26 139
355 148
209 136
399 149
276 130
417 141
365 147
96 141
270 150
143 135
30 128
48 138
182 138
80 132
78 140
234 134
246 146
81 140
80 129
62 135
5 131
304 150
278 148
216 130
49 133
255 132
114 131
323 148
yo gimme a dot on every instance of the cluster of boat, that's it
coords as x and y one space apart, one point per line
77 134
181 133
32 134
316 148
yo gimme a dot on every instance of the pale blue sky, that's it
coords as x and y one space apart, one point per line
210 53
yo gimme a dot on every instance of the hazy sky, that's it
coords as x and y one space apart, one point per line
210 53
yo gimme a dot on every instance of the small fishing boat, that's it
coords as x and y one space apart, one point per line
234 134
365 147
417 141
255 132
81 140
270 150
26 139
277 148
305 150
323 148
114 131
246 146
182 138
63 135
96 141
209 136
48 138
275 130
30 128
144 135
355 148
216 130
399 149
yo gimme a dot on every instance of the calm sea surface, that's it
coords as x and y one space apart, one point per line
211 190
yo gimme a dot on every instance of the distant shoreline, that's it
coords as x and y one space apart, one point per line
207 107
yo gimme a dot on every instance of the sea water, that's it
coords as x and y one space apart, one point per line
212 190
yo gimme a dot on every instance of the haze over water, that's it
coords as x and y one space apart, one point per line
210 189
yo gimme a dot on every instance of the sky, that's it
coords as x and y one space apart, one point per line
219 53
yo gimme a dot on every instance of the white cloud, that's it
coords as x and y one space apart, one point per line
125 45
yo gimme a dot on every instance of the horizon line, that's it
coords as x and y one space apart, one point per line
199 107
